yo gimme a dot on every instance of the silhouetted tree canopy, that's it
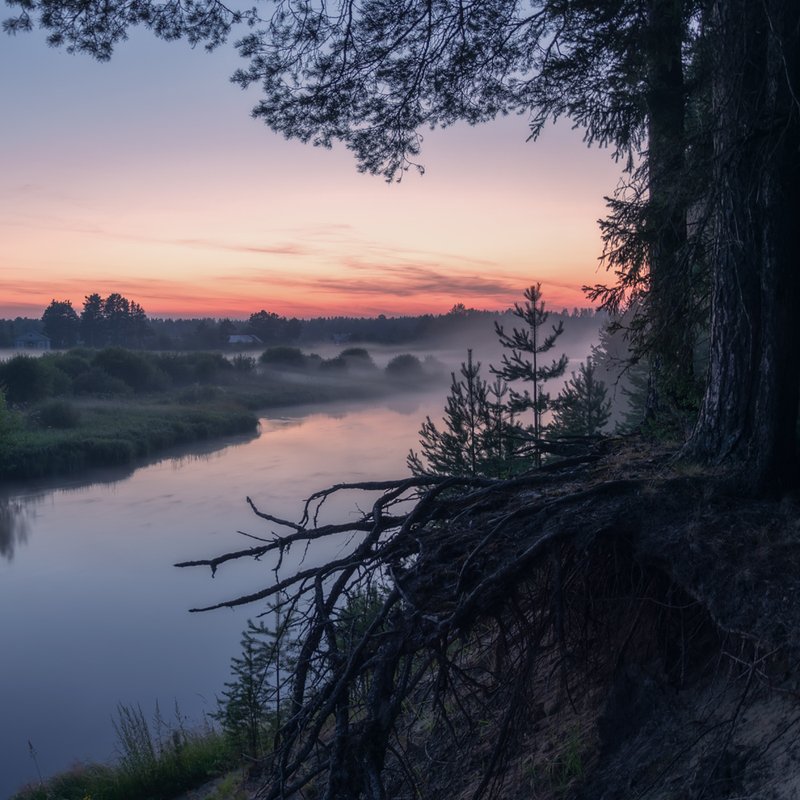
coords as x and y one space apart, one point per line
699 99
61 323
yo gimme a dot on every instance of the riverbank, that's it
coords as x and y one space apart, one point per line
66 413
195 764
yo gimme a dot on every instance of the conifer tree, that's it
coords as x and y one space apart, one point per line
524 364
582 407
250 705
477 437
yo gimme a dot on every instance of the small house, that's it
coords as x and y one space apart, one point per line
244 339
32 341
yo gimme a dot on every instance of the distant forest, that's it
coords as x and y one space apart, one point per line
117 321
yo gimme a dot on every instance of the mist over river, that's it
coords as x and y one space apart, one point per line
93 612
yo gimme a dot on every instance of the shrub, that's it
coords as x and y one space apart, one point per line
129 367
57 414
199 394
358 358
177 367
72 364
25 379
283 357
337 364
8 420
97 381
207 366
405 366
242 363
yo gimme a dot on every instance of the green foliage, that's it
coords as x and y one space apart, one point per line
335 364
526 345
243 363
283 357
479 433
98 382
582 408
359 612
114 320
358 358
61 323
135 370
109 436
57 414
157 761
405 365
8 419
197 394
25 379
270 327
73 363
251 704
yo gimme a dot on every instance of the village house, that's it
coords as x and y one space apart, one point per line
32 341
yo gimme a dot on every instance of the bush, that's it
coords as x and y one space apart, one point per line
405 366
8 420
25 379
199 394
242 363
72 364
177 367
283 357
207 366
99 382
57 414
132 368
158 760
358 358
337 364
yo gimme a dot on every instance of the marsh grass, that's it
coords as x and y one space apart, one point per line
158 760
115 434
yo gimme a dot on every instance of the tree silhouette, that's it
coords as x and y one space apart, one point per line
478 435
61 323
582 407
527 344
374 74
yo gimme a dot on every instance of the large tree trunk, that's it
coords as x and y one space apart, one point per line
749 411
669 305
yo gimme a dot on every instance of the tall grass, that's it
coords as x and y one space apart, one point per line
157 761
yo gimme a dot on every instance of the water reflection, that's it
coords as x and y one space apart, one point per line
15 517
95 571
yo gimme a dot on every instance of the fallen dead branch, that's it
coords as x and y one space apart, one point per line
486 600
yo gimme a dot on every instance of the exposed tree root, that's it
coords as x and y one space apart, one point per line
467 614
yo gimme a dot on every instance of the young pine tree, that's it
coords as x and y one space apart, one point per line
250 706
527 346
477 438
582 408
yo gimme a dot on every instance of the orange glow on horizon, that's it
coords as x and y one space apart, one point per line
178 200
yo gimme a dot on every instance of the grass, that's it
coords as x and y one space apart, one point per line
112 435
109 408
158 762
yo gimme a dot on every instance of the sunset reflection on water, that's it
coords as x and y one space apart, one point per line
94 612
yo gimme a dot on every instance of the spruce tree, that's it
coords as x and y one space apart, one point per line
582 407
477 438
250 706
524 364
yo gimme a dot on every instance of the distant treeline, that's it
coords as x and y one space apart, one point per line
117 321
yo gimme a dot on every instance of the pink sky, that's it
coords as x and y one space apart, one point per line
146 176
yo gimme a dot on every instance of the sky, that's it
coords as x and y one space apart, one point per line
147 176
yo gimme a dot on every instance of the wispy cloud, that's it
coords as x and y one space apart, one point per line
284 249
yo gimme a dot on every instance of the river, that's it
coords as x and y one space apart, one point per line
94 614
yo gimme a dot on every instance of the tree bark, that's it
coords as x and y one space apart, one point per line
669 303
749 412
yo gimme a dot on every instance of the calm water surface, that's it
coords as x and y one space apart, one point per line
93 612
